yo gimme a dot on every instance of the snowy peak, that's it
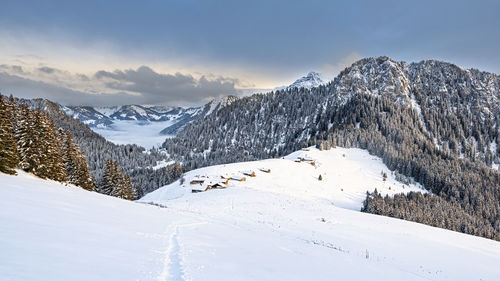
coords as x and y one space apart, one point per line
88 115
144 113
311 80
376 76
105 117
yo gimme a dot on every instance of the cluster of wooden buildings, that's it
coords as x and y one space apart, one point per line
204 183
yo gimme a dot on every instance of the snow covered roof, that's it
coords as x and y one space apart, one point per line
238 178
249 173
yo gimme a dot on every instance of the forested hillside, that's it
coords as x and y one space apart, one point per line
432 121
135 161
30 141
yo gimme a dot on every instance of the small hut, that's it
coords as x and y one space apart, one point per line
218 185
200 188
265 170
249 173
197 181
225 177
238 178
210 184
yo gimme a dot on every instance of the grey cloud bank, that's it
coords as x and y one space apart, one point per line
177 88
140 86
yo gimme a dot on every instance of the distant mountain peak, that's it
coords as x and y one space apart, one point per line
311 80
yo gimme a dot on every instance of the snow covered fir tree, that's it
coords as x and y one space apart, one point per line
30 141
9 157
134 160
115 183
76 164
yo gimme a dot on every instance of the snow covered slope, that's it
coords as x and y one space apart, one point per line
346 176
288 225
50 231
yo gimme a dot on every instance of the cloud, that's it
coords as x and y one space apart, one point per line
132 86
173 88
26 88
46 69
12 68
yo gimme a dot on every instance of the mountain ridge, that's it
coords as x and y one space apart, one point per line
432 121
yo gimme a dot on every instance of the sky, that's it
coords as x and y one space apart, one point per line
186 52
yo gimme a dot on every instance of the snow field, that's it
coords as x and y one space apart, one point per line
283 225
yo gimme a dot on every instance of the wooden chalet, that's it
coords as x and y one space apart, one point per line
218 185
200 188
238 178
249 173
197 181
210 184
265 170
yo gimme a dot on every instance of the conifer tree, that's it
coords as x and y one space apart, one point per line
26 139
120 190
53 151
109 178
8 147
130 192
95 183
75 163
47 149
115 183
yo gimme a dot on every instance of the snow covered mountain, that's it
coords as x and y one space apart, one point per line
143 125
311 80
88 115
433 121
146 126
197 113
106 116
269 227
152 123
442 95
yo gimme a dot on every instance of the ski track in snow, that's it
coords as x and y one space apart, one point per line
172 266
173 269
